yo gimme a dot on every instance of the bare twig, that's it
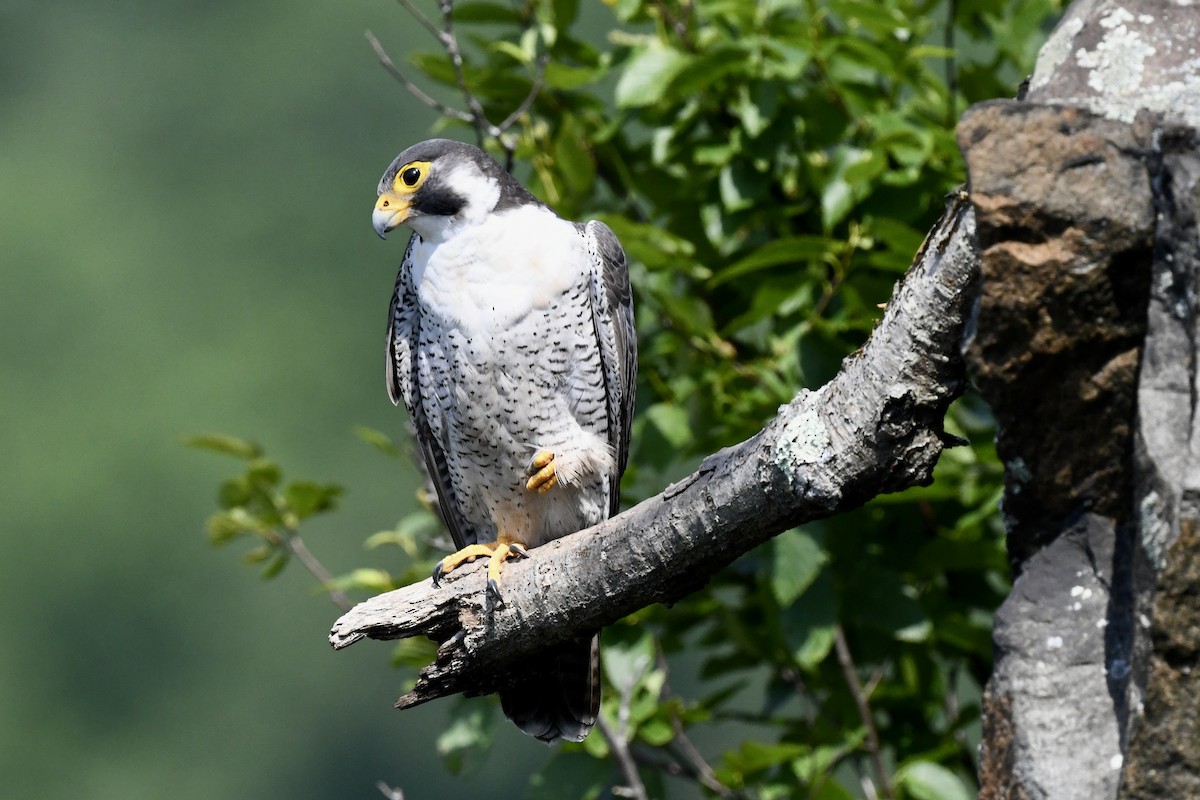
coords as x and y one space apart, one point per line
620 750
424 21
289 538
850 673
703 771
507 143
483 127
661 761
475 115
412 88
296 546
618 738
680 25
876 677
527 103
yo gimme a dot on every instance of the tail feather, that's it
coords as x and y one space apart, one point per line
557 694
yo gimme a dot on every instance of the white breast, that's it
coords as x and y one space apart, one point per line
489 275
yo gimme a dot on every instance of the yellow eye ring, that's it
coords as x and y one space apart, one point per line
410 177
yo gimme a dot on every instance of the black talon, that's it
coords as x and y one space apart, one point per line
437 574
491 597
513 547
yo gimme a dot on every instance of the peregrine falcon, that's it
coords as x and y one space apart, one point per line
511 342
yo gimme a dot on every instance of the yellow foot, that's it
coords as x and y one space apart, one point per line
497 553
543 477
502 553
464 556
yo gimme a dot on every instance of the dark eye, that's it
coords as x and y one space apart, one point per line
410 176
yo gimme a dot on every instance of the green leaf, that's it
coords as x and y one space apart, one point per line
830 789
627 654
596 747
848 184
565 13
930 51
798 559
275 565
672 422
434 65
570 774
306 498
837 198
926 780
789 250
263 473
755 113
647 74
821 760
755 756
625 10
656 731
568 77
879 599
572 157
227 525
785 60
808 624
707 68
379 440
258 555
741 186
414 653
649 244
226 445
234 492
466 742
375 581
513 51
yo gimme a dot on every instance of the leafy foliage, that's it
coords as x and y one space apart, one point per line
258 505
770 168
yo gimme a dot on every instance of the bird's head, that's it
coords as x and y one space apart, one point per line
439 184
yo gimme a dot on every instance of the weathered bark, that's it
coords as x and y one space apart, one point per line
877 427
1085 220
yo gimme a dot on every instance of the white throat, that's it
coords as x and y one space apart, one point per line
488 275
482 194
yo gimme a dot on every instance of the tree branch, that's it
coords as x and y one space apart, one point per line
298 548
618 743
618 737
475 115
412 88
875 428
483 127
861 702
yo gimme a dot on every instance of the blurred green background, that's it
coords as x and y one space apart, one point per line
185 198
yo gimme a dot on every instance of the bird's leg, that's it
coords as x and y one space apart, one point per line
505 549
464 556
497 552
542 474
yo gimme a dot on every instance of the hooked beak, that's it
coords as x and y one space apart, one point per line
390 213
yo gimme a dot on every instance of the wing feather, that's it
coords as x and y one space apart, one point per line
403 384
612 313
